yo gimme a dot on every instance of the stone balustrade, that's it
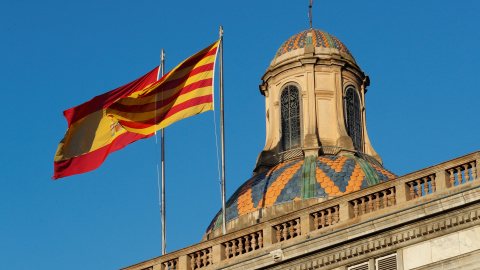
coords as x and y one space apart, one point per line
200 259
422 186
170 265
287 230
243 244
298 224
326 217
469 171
373 202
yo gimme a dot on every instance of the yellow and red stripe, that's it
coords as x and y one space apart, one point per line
111 121
185 91
92 135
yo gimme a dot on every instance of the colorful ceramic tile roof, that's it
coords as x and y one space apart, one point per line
319 39
302 178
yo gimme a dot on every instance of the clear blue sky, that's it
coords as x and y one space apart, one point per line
422 109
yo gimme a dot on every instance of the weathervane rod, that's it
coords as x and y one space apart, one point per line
310 13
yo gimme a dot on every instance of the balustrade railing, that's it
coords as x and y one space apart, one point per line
287 230
373 202
326 217
422 186
169 265
463 173
201 258
434 180
244 244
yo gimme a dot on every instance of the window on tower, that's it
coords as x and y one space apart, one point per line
353 117
291 127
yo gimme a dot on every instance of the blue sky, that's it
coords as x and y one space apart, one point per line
422 109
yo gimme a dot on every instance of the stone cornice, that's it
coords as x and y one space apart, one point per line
398 229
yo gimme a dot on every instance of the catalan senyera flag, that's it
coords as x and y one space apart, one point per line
183 92
111 121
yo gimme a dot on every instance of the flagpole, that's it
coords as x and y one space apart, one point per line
222 130
162 136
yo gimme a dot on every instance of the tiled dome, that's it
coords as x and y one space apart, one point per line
319 39
302 178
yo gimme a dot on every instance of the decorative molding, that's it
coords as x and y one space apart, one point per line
395 239
277 255
324 94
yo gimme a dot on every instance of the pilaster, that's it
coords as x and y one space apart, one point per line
346 211
268 236
306 224
218 253
401 193
310 112
442 180
183 262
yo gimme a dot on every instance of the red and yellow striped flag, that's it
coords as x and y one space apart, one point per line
183 92
111 121
92 135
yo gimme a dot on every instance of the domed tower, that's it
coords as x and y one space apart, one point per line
314 101
317 145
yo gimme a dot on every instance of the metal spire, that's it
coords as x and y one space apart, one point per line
310 13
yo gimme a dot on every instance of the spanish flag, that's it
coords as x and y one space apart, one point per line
111 121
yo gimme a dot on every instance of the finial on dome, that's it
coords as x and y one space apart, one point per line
310 13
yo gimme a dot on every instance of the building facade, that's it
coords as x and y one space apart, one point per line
320 198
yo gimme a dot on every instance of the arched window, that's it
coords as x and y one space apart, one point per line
290 106
353 117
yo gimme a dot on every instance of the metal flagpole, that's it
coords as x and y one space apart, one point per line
222 129
162 135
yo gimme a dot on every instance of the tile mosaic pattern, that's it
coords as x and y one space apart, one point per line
334 175
319 39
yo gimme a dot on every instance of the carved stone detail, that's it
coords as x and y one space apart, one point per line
392 239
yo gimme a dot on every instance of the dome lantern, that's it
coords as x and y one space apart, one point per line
314 101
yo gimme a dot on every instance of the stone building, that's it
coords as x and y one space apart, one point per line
320 198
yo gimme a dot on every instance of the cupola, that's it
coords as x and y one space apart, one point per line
314 101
